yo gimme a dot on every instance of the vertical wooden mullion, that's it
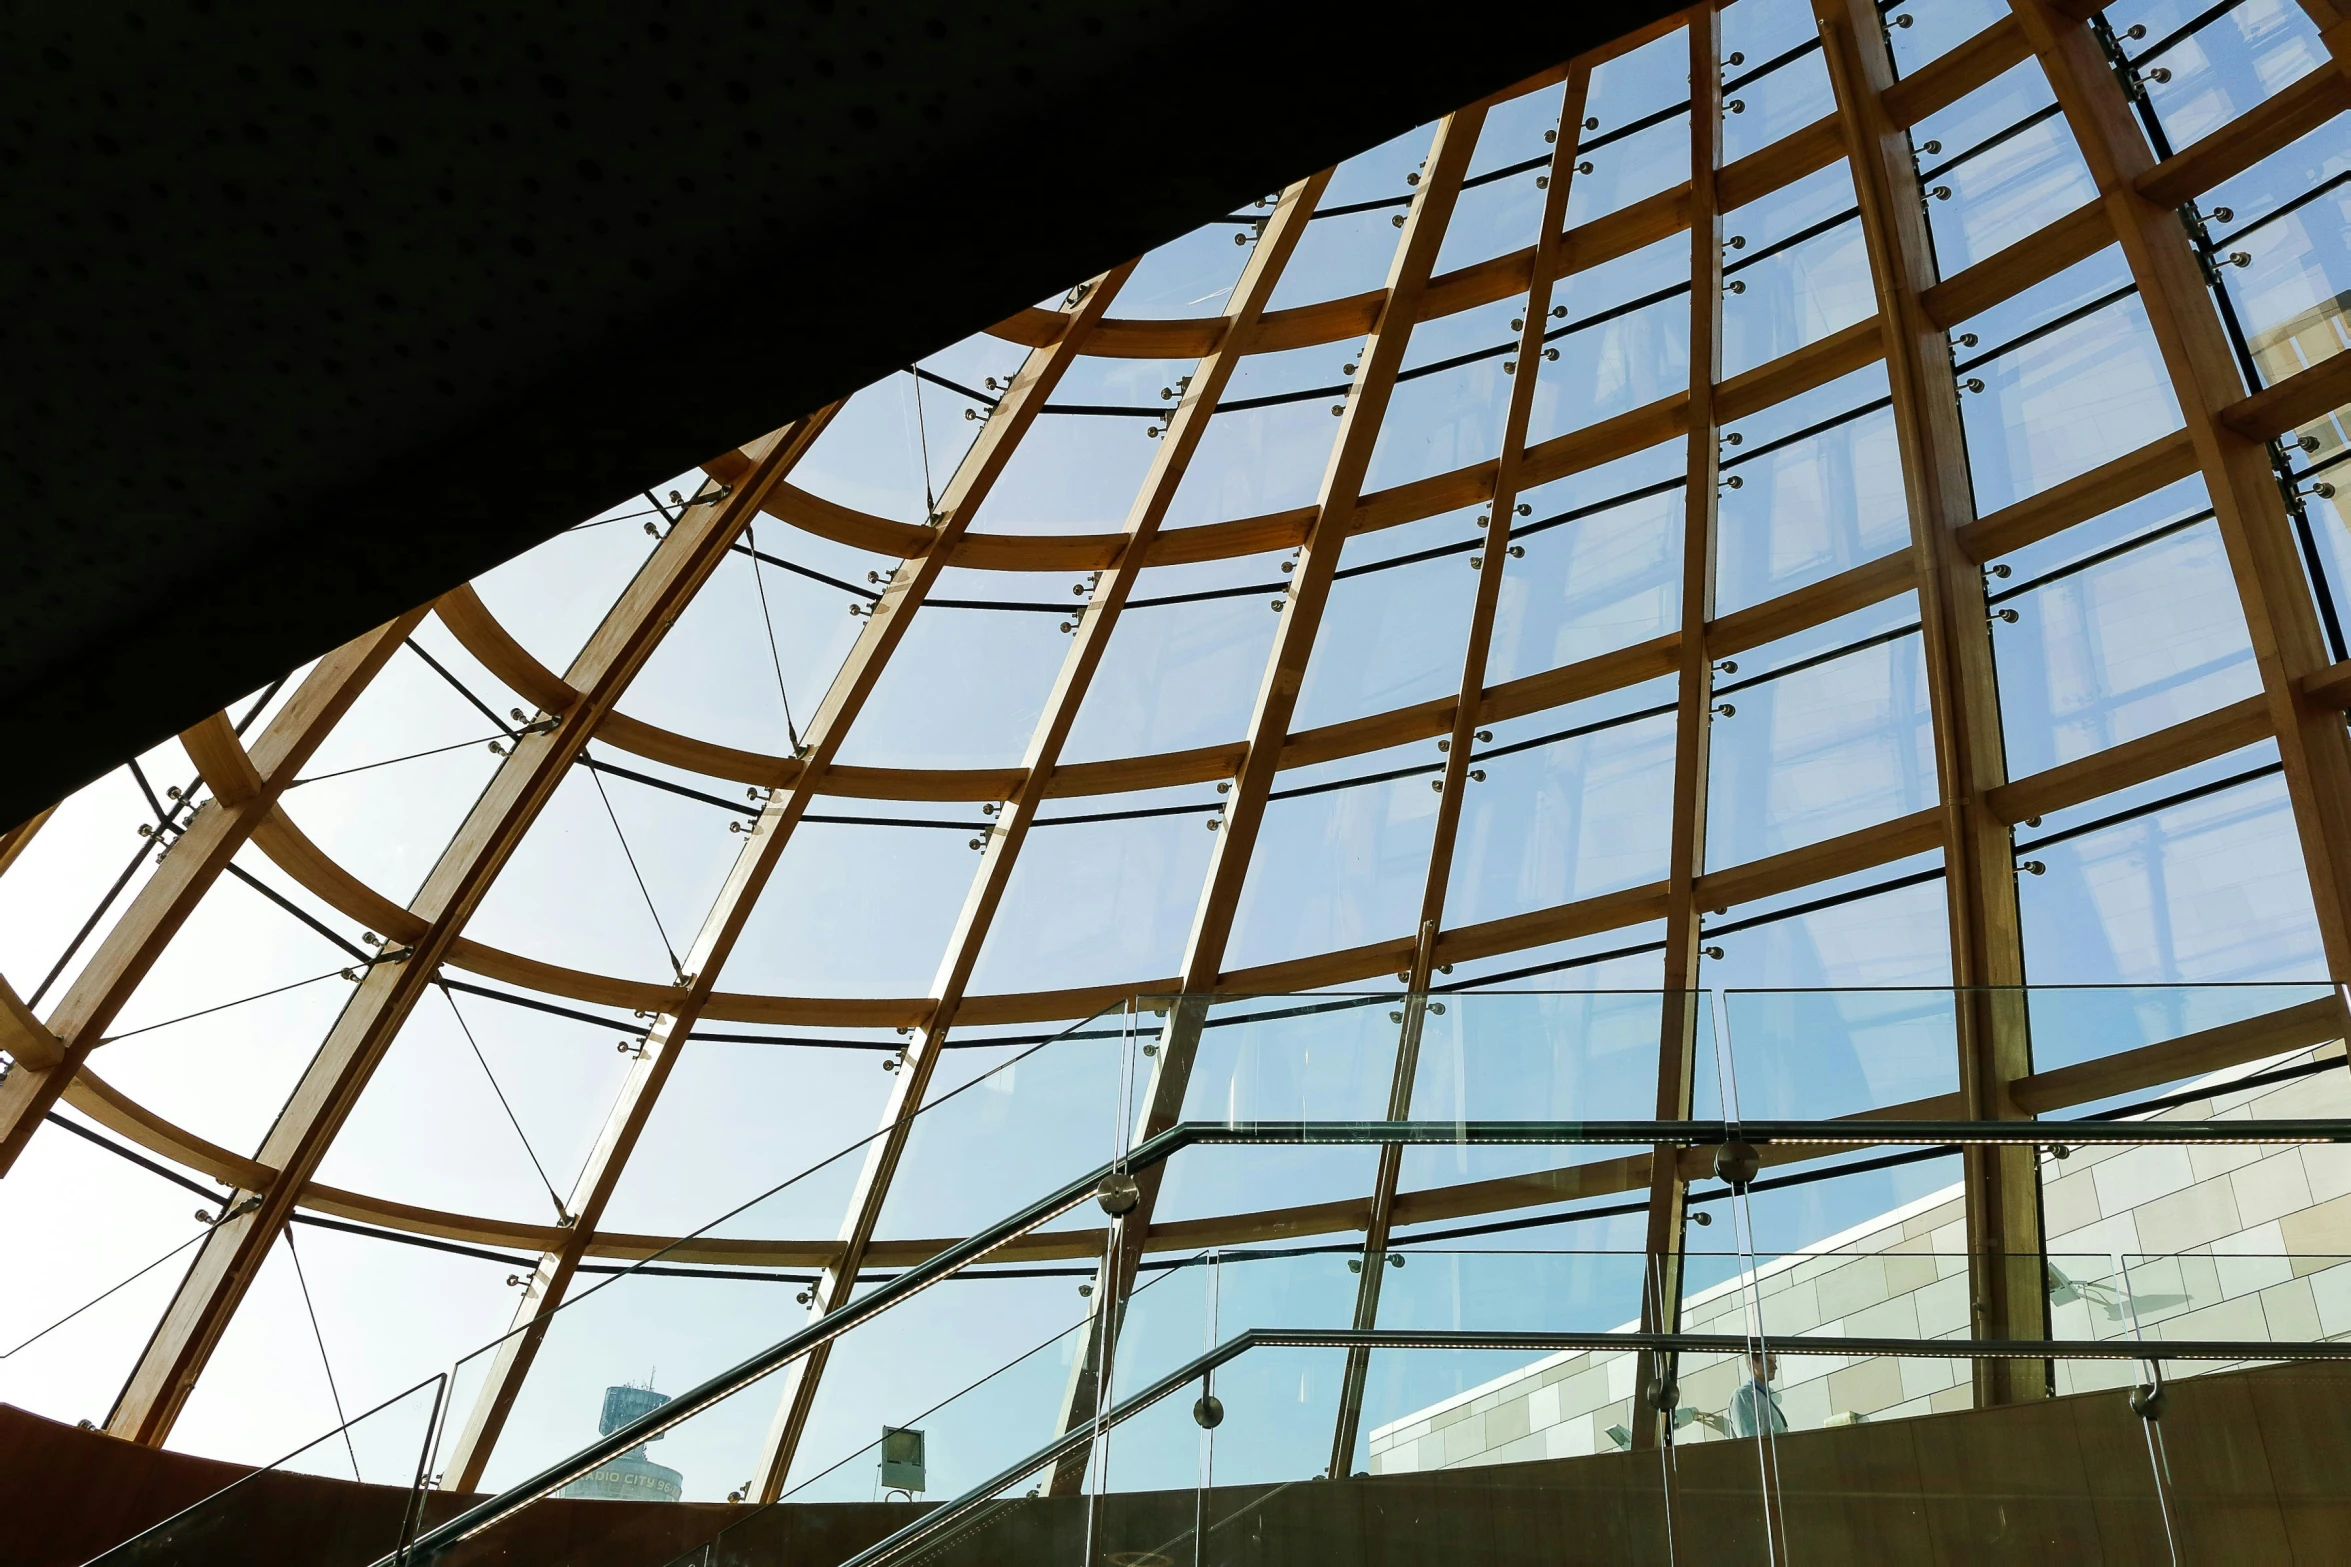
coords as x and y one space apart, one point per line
1454 783
1680 1004
1993 1041
1269 725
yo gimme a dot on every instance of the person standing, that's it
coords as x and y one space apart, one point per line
1755 1408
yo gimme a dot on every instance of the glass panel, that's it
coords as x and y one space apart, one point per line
1997 167
1813 1054
220 1029
872 457
550 598
1186 278
2178 880
1798 269
1927 32
1070 473
1640 144
1501 202
741 1281
2287 217
1622 340
2120 647
1103 892
1442 415
484 1105
1782 82
2064 403
966 686
1809 502
1394 627
1557 1056
1885 926
1447 1408
1342 252
1496 216
97 1246
1340 862
2076 1023
1184 662
768 632
1602 568
60 890
1830 734
1268 1442
385 820
827 924
1270 440
2229 64
1575 802
614 876
1032 1120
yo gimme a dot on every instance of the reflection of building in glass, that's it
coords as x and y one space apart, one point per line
2298 342
632 1477
2224 1242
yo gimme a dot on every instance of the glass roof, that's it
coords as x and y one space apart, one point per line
1338 593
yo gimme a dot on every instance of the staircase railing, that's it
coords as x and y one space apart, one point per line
970 1252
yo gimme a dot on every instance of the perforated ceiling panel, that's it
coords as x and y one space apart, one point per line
310 313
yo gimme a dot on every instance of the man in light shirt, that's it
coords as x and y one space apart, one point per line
1755 1407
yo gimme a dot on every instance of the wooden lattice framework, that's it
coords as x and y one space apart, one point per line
2225 439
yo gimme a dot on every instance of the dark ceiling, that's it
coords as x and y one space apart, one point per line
308 312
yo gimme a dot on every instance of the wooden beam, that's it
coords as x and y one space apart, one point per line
2271 588
1951 76
1814 604
1986 938
2006 273
1816 364
232 1253
1003 840
2317 1022
2313 1023
762 849
2167 750
2165 460
188 868
2270 126
1680 1005
2295 401
468 619
2331 685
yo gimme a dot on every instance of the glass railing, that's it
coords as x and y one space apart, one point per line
1257 1124
282 1511
1519 1096
704 1303
700 1304
1240 1478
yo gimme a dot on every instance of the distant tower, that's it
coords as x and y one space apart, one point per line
631 1477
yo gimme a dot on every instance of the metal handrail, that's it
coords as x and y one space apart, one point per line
947 1514
1156 1150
